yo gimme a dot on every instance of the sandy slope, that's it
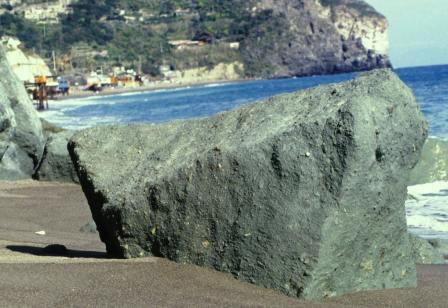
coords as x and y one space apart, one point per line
85 277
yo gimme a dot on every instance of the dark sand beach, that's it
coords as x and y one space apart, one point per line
83 276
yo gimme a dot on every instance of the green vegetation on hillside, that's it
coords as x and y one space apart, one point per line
139 37
28 32
137 34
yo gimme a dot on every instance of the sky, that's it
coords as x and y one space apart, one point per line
418 31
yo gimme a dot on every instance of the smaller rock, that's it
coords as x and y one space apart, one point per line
424 252
55 249
56 164
441 246
40 232
89 227
434 242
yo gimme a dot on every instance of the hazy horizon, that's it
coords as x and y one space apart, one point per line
418 31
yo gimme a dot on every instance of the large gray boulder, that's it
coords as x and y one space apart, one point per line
303 192
433 164
21 138
56 164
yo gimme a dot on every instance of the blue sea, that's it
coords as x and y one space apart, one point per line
427 216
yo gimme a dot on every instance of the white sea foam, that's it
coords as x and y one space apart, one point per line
214 85
57 115
78 102
427 209
133 93
92 97
171 89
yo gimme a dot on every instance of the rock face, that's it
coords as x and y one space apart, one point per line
275 38
303 192
321 37
230 71
56 164
21 138
25 66
433 165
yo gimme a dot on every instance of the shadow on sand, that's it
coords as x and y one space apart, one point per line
57 250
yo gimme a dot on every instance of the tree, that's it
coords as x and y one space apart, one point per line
16 26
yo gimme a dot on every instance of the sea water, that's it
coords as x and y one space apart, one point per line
427 211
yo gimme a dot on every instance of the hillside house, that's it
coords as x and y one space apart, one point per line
47 13
10 2
184 44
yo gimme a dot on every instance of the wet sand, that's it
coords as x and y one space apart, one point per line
83 276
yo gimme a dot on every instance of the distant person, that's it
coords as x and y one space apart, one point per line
42 98
94 88
138 78
63 87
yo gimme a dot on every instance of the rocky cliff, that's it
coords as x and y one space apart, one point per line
321 37
24 66
275 38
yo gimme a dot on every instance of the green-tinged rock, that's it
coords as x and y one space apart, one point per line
441 245
303 192
425 252
433 165
56 164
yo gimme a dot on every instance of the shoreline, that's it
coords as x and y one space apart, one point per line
79 94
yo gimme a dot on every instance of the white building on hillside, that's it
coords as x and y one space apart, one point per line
47 12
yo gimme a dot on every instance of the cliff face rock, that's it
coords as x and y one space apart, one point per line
303 192
24 66
222 71
21 138
321 37
355 20
275 37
